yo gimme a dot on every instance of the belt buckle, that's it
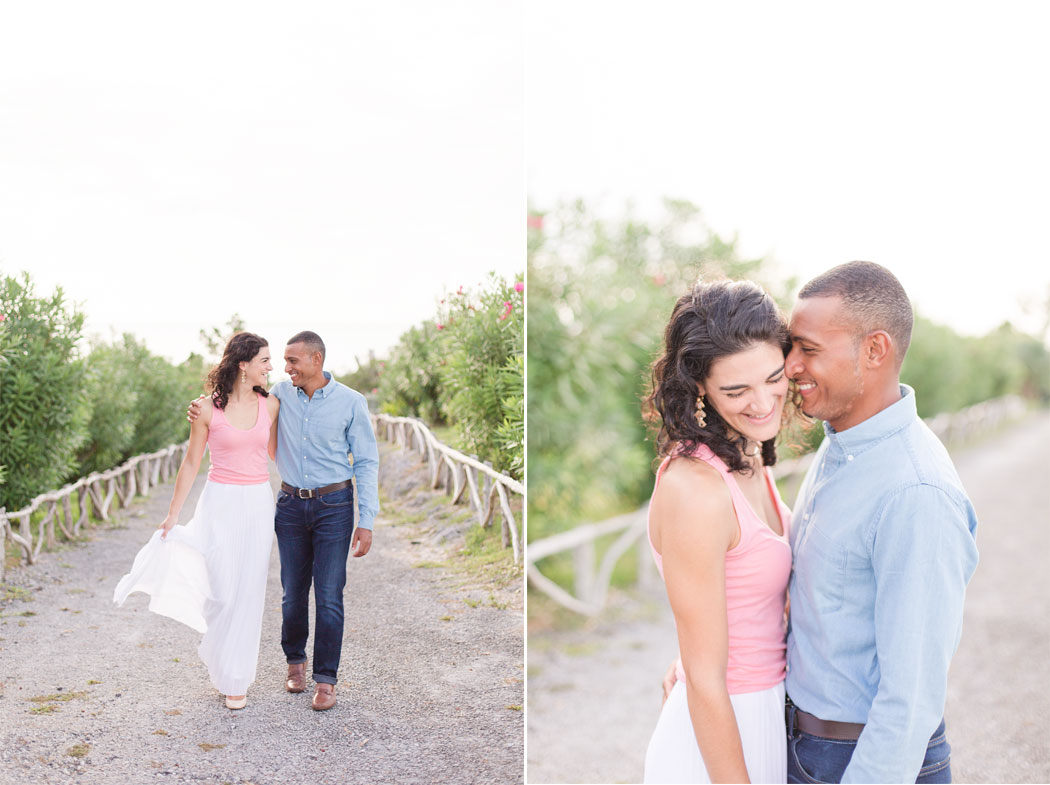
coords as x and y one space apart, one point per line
304 493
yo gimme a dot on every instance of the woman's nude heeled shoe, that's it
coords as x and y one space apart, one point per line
236 703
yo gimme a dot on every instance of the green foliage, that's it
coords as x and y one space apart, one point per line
4 349
950 371
409 385
63 416
137 402
465 369
600 294
482 371
43 408
112 398
365 379
163 392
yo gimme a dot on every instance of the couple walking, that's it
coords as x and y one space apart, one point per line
211 573
875 557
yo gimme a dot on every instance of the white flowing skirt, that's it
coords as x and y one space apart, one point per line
673 754
211 575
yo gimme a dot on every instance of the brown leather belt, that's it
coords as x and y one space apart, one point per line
827 729
313 493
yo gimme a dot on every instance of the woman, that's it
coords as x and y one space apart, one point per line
719 534
211 573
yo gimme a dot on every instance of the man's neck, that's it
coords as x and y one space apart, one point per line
315 385
880 398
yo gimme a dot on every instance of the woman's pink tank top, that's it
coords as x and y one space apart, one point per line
757 573
238 457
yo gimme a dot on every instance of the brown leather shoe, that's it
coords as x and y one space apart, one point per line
296 677
324 696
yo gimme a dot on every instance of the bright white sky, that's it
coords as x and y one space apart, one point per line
329 166
916 135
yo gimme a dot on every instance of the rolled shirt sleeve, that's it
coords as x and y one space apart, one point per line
923 553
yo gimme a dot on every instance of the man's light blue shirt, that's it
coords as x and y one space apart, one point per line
314 436
883 537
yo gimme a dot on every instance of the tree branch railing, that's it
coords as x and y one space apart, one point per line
459 475
97 491
591 581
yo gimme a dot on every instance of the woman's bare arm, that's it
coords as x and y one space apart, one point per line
191 464
274 407
695 524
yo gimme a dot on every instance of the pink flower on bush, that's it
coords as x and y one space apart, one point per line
519 286
659 279
441 327
506 313
375 390
534 221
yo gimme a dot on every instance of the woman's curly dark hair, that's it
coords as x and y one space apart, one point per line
242 347
714 320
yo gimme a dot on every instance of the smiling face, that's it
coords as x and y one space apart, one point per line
258 369
825 361
748 390
301 364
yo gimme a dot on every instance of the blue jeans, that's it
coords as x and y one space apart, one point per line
313 537
816 759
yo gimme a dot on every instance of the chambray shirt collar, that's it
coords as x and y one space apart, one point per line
873 430
324 392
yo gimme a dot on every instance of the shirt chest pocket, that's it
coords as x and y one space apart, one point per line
332 436
823 571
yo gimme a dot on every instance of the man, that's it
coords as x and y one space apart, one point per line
883 538
319 423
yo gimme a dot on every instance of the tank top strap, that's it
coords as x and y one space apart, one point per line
217 412
264 412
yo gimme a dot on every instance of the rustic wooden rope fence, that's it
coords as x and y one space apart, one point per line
97 491
460 475
591 581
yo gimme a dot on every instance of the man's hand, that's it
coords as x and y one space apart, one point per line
194 410
670 678
361 542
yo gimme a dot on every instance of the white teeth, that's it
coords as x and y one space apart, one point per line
806 385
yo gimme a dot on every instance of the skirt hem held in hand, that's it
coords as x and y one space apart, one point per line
211 575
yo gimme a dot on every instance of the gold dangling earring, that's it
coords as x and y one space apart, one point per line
244 376
701 418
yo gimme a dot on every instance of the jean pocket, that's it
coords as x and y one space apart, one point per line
343 498
796 769
283 497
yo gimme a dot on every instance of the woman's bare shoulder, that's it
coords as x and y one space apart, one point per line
693 482
691 490
207 409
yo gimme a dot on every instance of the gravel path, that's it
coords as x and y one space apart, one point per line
430 682
594 692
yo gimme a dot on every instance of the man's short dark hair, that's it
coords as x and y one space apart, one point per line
312 341
874 300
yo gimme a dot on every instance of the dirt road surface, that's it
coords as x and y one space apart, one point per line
430 683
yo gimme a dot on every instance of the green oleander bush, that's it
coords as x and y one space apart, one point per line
64 414
43 403
461 372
